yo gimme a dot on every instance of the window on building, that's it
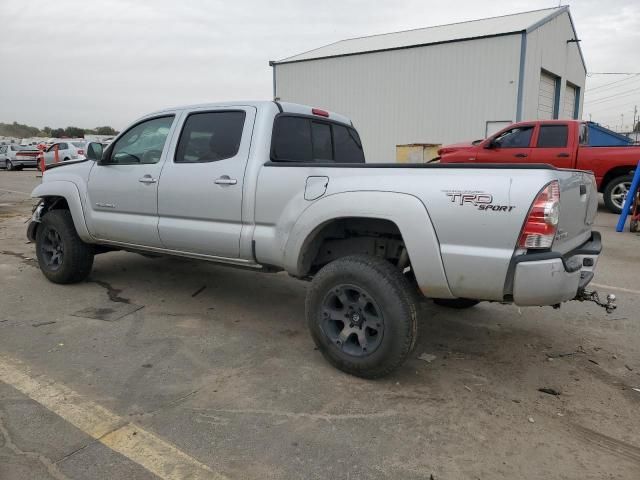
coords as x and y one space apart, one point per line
553 136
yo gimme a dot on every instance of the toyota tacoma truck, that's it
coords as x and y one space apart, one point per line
276 186
561 143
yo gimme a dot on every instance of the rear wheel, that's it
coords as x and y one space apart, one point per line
62 256
362 315
9 165
615 193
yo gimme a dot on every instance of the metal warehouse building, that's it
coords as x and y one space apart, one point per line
443 84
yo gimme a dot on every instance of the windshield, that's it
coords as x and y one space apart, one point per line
78 144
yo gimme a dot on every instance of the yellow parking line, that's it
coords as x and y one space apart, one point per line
134 442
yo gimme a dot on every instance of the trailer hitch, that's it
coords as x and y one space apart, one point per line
588 296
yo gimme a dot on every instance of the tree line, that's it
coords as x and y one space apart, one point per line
19 130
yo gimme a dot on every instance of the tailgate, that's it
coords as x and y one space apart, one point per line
578 208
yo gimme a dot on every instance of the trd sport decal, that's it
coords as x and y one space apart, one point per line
478 199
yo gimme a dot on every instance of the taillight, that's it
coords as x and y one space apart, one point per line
317 111
541 225
80 151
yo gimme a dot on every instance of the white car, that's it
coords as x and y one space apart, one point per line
67 150
16 157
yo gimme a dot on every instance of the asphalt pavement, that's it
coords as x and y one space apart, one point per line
171 368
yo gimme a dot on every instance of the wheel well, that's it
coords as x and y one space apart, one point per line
55 203
353 235
613 173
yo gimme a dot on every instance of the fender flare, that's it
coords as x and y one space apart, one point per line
406 211
69 191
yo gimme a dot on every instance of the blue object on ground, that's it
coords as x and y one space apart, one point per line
629 200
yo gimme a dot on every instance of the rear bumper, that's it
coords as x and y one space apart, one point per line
25 162
550 278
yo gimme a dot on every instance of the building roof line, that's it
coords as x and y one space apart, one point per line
553 12
404 47
445 25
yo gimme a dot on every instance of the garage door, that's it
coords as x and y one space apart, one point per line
546 96
569 110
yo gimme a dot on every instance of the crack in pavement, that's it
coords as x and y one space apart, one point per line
329 417
51 467
113 293
26 260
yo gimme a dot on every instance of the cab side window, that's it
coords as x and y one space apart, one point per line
143 143
518 137
553 136
210 136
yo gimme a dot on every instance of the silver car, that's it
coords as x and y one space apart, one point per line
67 150
16 157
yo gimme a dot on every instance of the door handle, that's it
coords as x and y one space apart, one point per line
147 179
563 155
520 155
225 180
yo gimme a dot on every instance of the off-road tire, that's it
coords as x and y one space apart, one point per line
77 256
457 303
608 191
392 293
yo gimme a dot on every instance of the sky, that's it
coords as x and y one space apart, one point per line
90 63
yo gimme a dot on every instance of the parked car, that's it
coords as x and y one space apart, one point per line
16 157
561 143
275 186
67 150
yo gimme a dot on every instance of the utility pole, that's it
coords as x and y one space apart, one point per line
635 111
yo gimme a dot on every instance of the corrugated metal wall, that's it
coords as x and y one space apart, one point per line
435 94
547 49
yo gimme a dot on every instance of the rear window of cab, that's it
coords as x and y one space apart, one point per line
304 139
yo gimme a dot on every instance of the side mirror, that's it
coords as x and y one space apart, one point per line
94 151
490 144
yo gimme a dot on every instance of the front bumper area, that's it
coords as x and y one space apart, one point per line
550 278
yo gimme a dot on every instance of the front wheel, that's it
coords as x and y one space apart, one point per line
615 193
62 256
362 315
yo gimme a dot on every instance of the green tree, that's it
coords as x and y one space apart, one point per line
57 132
74 132
105 131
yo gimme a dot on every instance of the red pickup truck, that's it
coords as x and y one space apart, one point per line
561 143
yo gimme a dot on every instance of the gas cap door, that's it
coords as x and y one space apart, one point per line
315 187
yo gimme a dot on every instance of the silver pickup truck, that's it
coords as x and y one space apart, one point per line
277 186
